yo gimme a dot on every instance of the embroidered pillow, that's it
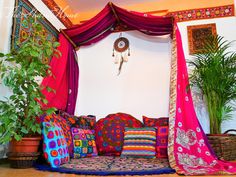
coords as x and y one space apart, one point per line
84 143
57 119
109 132
140 142
84 122
54 145
162 125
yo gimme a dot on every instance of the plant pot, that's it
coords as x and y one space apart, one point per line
223 145
22 154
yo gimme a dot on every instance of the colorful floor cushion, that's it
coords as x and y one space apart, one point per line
57 119
139 142
109 165
109 132
84 122
84 143
162 125
54 145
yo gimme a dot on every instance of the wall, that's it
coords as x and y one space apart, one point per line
142 88
136 90
6 13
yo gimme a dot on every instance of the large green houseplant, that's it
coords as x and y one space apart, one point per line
214 72
19 70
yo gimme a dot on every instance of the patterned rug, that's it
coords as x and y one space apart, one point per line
107 165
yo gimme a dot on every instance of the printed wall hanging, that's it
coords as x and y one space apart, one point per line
21 28
197 34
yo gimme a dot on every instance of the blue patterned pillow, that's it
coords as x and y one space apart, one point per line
84 143
54 146
139 142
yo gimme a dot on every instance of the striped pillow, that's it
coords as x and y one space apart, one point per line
140 142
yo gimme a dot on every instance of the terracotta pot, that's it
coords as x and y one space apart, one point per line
26 145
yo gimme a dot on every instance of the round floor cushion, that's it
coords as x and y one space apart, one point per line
109 132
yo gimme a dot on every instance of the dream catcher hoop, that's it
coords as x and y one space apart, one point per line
121 51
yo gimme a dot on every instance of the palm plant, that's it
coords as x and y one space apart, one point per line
215 74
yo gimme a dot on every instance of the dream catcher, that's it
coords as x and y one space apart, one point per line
121 51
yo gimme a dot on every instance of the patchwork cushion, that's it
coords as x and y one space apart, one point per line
140 142
84 143
57 119
54 145
162 125
84 122
109 132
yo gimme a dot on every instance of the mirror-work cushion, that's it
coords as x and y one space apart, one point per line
162 126
57 119
140 142
84 143
109 132
54 145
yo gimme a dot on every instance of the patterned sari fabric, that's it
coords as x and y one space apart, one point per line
189 151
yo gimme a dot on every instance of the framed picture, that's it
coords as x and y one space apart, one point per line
197 34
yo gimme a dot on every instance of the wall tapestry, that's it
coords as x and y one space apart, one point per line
197 34
21 28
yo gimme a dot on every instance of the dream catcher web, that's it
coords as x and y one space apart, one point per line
121 51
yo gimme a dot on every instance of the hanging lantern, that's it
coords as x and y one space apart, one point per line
121 51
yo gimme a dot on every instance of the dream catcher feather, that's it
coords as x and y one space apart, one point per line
121 51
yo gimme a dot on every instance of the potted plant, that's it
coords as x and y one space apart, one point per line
19 70
214 72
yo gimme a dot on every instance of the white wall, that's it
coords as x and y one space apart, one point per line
225 27
136 90
142 88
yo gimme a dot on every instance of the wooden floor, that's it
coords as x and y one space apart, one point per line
6 171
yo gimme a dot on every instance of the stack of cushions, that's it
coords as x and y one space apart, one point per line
82 139
54 146
109 132
162 126
139 142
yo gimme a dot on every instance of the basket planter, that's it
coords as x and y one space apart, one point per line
22 154
224 145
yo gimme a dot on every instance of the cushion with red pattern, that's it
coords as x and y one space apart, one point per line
162 126
109 132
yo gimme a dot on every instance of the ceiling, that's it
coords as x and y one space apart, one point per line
81 6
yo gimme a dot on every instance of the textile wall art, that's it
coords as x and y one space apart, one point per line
21 28
197 34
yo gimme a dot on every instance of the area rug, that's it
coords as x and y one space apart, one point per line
108 165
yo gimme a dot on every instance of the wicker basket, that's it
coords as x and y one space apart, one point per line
224 145
22 160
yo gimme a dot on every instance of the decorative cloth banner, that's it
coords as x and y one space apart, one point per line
59 80
105 21
190 152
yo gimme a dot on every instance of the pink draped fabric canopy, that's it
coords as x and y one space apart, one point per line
188 148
